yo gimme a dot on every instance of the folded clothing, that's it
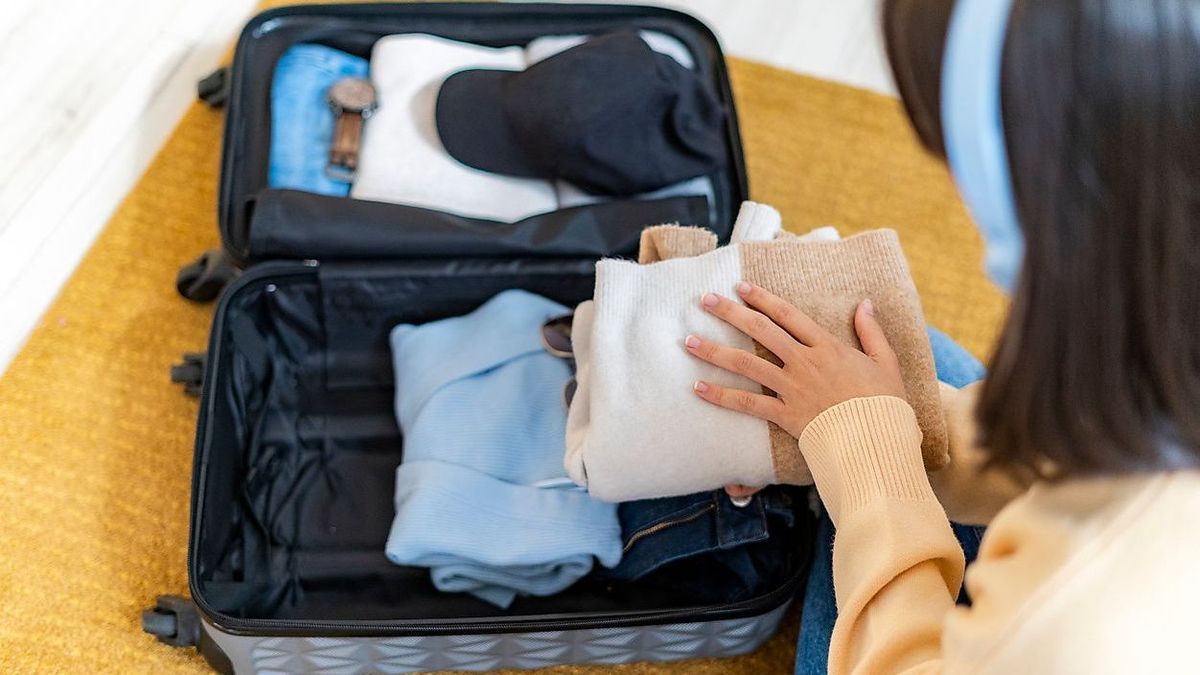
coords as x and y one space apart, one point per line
702 545
301 119
481 498
636 394
402 160
542 48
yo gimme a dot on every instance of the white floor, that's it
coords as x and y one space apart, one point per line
90 90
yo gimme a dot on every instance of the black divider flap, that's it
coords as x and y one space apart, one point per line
368 299
313 226
294 224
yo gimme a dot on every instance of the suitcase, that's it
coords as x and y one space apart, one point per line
296 418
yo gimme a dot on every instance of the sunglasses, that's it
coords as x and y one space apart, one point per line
556 339
556 336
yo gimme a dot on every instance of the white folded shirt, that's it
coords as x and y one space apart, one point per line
635 428
402 159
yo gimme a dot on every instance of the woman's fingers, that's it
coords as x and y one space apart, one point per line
755 324
870 334
758 405
741 495
738 361
783 313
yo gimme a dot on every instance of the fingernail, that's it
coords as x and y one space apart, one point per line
692 342
744 288
710 300
700 387
869 307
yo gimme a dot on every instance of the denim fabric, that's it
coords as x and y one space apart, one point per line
956 367
301 119
682 543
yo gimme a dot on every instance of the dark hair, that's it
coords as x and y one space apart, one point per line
1098 366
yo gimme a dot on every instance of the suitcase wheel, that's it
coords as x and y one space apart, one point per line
173 620
190 373
202 279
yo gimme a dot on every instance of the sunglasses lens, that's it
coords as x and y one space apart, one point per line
556 334
569 391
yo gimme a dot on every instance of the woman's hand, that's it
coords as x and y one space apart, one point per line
818 371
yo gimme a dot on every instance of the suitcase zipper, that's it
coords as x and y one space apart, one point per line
300 628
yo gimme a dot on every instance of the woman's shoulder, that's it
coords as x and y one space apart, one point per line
1095 575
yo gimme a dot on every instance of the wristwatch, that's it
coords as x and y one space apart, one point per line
353 101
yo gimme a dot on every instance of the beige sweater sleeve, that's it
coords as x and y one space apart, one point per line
897 567
1042 586
970 495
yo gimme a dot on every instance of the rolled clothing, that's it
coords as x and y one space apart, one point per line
481 497
635 394
402 158
302 120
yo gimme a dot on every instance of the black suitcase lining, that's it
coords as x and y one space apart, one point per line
294 523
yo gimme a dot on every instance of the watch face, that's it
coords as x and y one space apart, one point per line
352 94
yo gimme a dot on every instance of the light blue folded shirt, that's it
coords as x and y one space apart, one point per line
482 498
301 119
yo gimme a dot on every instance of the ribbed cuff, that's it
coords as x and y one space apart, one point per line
864 449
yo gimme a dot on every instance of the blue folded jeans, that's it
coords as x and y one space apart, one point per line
301 119
686 543
956 367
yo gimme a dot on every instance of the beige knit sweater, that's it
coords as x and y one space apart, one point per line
1088 576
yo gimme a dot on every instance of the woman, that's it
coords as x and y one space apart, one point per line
1071 129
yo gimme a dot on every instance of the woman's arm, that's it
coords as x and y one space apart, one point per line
897 566
969 494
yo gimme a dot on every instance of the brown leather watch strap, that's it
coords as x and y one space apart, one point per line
347 139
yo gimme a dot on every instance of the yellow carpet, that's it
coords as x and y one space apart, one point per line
96 443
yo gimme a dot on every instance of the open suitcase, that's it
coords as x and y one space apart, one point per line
297 443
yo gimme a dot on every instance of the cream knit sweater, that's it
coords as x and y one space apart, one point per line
1087 576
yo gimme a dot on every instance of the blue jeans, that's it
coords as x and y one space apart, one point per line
683 543
301 119
956 367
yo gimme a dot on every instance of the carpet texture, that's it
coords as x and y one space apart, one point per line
96 443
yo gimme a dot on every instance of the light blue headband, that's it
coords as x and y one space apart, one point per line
973 127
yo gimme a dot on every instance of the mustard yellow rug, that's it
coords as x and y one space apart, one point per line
96 443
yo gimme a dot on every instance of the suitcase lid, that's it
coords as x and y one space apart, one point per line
259 223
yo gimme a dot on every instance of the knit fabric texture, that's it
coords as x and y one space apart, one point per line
827 281
481 497
636 382
635 393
